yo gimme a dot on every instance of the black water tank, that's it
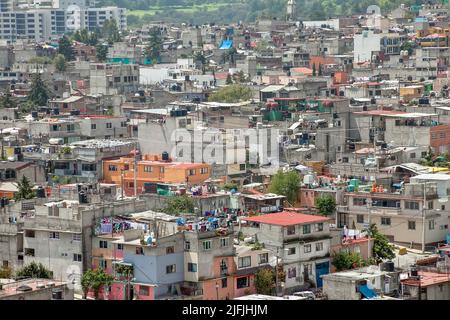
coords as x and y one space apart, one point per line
390 266
40 192
57 294
165 156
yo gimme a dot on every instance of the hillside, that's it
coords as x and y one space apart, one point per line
223 11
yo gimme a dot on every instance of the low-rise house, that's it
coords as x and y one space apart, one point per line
36 289
425 285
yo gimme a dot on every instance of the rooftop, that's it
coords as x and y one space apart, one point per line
427 279
286 218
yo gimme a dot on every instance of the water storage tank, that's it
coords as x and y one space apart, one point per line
34 114
57 294
389 266
308 179
165 156
40 192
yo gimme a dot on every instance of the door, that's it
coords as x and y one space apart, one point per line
321 269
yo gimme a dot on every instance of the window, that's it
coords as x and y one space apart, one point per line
93 126
430 205
223 267
319 246
148 169
77 257
161 169
103 244
108 125
412 155
431 225
224 242
54 235
224 282
187 245
170 250
360 218
443 207
103 264
112 168
290 230
292 272
385 221
29 252
306 228
123 124
203 170
76 237
411 225
244 262
263 258
242 167
291 251
307 248
139 250
192 267
171 268
242 282
359 201
89 167
320 226
206 245
412 205
144 291
29 233
120 246
192 172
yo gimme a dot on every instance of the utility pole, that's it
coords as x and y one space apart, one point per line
369 205
135 169
276 276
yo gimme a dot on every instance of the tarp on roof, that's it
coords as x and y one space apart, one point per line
226 44
367 292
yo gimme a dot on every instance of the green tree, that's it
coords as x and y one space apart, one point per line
320 70
65 48
101 52
110 31
232 93
381 249
86 282
25 190
35 270
286 184
6 101
326 205
99 280
229 80
179 204
6 273
39 93
314 72
265 281
60 63
345 260
153 49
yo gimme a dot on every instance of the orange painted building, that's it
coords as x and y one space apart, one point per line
152 169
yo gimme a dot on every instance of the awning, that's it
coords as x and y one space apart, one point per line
367 292
226 44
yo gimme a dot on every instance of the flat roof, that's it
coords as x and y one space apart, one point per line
286 218
431 176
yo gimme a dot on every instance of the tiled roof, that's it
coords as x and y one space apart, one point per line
286 218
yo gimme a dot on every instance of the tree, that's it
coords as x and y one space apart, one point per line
35 270
39 94
95 280
326 205
5 273
86 282
153 49
99 280
265 281
314 72
101 52
229 80
65 48
179 204
345 260
286 184
232 93
110 31
25 191
320 70
60 63
6 101
381 249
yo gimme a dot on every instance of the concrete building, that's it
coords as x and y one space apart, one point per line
301 241
113 79
358 284
35 289
104 127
